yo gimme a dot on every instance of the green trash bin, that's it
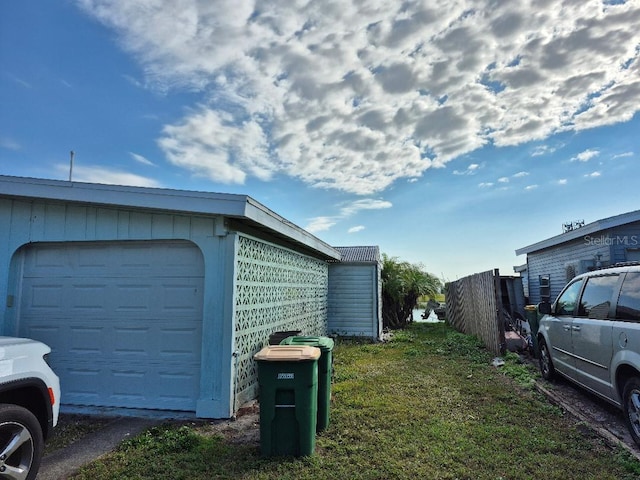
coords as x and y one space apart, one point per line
325 344
531 312
288 380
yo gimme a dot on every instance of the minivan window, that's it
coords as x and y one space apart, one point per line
566 303
629 300
596 297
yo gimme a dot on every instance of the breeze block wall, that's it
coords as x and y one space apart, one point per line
276 289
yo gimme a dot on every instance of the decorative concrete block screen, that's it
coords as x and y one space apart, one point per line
276 290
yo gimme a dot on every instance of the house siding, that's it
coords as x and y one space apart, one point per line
613 245
579 253
276 289
353 300
623 240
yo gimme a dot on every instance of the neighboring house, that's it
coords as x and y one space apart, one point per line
156 298
521 270
355 293
553 262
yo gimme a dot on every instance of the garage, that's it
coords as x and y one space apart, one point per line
154 299
124 319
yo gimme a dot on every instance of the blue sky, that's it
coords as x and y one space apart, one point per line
448 133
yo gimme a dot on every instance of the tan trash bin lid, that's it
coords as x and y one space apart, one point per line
288 353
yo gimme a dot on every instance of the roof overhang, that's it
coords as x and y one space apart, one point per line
590 229
241 207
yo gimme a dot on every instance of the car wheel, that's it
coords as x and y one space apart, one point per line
546 364
631 406
21 443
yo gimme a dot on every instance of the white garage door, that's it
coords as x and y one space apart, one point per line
124 320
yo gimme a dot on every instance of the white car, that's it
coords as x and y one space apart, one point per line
591 335
29 406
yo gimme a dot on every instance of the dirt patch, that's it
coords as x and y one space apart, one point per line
72 427
244 429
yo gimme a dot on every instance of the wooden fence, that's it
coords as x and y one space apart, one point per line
472 305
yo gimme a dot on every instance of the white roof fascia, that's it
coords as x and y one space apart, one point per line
203 203
588 229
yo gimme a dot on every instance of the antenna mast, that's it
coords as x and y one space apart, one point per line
71 166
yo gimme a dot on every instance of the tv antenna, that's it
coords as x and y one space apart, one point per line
570 226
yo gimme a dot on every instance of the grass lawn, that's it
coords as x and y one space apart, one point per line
427 405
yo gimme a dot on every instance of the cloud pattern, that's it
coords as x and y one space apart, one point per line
354 95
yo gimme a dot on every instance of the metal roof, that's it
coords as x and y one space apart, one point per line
589 229
241 207
370 254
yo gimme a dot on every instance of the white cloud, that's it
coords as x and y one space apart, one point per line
593 175
485 184
364 204
211 144
20 81
356 95
520 174
542 150
9 144
471 170
531 187
356 229
586 155
143 160
320 224
97 174
562 181
503 180
623 155
347 210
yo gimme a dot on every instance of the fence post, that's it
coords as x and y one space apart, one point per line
499 313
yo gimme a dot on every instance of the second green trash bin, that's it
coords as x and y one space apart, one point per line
325 344
288 380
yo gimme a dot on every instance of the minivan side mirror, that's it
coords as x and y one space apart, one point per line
544 308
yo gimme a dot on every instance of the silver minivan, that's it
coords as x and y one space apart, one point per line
591 335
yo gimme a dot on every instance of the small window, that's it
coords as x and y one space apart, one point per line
545 288
596 298
566 303
629 300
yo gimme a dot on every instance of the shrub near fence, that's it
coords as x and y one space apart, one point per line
473 308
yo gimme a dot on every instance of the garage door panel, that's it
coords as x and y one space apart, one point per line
159 297
83 340
129 386
124 321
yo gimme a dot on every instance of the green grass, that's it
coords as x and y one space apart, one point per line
426 405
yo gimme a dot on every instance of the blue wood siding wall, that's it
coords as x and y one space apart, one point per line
554 262
354 300
39 221
623 239
612 245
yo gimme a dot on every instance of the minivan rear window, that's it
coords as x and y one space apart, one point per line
629 300
596 297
